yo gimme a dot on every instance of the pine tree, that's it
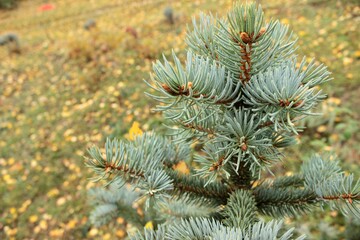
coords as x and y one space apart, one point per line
239 96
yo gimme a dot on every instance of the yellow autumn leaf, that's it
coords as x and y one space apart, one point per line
328 148
8 179
13 210
120 233
107 236
321 129
93 232
347 61
255 183
349 75
60 201
10 231
285 21
37 229
149 225
71 224
357 54
334 100
43 224
120 220
57 232
182 168
130 61
334 213
134 131
302 33
11 161
334 137
53 192
33 218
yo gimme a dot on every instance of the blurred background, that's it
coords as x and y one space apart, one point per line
71 74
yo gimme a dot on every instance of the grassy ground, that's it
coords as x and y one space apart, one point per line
70 88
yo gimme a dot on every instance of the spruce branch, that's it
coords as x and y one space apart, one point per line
104 213
316 171
248 46
342 193
150 234
202 39
196 121
314 75
288 181
248 142
193 228
185 184
135 159
202 228
112 203
199 128
283 94
140 162
177 153
154 182
284 201
275 45
282 139
331 185
240 211
212 162
186 206
202 80
270 230
105 166
241 178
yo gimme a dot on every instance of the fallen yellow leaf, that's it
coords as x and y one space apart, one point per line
53 192
182 168
120 233
71 224
93 232
149 225
321 129
56 232
134 131
33 218
43 224
60 201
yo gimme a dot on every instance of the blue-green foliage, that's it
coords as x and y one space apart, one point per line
238 96
112 203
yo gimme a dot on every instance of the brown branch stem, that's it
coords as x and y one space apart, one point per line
109 167
185 92
349 197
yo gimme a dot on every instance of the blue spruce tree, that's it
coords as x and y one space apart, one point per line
239 95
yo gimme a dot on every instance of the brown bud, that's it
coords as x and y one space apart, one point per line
298 103
166 87
244 147
245 37
261 32
284 103
190 84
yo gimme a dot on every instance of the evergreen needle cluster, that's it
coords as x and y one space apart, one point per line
238 95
